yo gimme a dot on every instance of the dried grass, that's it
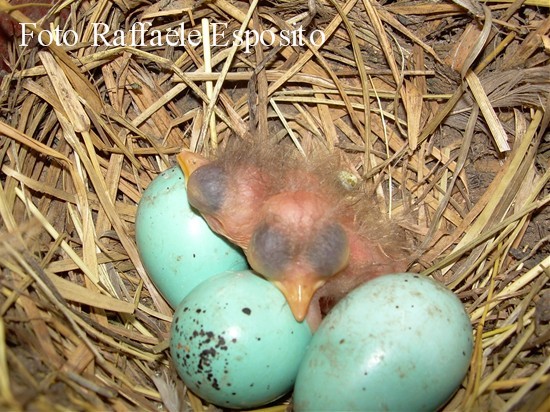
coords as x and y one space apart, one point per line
443 106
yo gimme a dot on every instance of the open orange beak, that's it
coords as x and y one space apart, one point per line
189 162
298 292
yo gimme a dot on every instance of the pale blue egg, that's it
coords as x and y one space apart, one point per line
400 342
176 246
235 342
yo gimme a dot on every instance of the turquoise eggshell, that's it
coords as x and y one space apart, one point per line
176 246
400 342
235 342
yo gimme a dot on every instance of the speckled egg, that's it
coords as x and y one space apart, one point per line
176 246
235 342
400 342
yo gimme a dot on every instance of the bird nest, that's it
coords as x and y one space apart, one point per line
442 106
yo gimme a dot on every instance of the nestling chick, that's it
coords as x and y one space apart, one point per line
298 224
299 244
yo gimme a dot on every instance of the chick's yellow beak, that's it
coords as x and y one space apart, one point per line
189 162
298 292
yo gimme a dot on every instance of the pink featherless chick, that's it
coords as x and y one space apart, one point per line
300 226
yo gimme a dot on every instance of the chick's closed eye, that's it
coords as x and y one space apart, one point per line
269 251
328 251
207 188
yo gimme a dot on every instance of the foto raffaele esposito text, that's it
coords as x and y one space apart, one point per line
138 35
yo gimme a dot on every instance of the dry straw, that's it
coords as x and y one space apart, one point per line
444 106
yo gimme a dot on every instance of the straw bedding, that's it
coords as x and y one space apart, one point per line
442 106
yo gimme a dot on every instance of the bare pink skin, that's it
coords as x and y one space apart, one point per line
237 223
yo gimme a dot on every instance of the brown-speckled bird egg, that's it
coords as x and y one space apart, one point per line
400 342
235 342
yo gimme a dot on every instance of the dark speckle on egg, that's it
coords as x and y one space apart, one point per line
247 311
221 343
205 359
